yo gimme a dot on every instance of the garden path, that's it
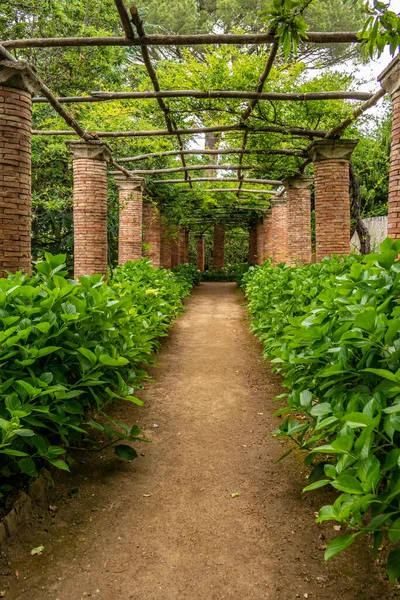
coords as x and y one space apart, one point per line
206 513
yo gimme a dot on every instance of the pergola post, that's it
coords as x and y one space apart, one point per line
279 226
252 253
219 247
152 233
260 241
200 252
183 239
332 195
186 252
130 217
390 82
165 247
267 222
175 247
16 87
298 194
89 161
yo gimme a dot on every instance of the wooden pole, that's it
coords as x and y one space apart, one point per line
125 21
234 190
208 167
281 151
313 37
339 129
295 131
212 94
216 179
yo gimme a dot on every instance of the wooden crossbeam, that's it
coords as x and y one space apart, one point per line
207 167
217 179
279 151
313 37
212 94
295 131
234 190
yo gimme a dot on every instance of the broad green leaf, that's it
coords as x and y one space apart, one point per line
125 452
338 544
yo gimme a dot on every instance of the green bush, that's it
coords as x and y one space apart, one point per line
188 273
333 330
66 347
229 273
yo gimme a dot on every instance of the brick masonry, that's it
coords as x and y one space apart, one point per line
174 247
219 247
298 195
279 226
200 252
332 195
152 233
390 81
90 206
15 179
182 246
260 242
130 218
267 223
165 247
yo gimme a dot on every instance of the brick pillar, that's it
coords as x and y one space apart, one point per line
298 194
267 234
252 254
390 81
332 195
152 233
175 247
279 225
200 252
130 217
165 248
260 242
219 247
15 168
90 206
182 246
186 250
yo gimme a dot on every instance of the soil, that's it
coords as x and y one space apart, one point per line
206 513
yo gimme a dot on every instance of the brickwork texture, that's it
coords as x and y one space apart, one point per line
279 232
200 253
299 225
130 225
394 173
152 233
219 247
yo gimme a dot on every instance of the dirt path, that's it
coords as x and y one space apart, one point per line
167 526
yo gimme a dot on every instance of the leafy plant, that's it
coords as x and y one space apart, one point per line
333 330
67 347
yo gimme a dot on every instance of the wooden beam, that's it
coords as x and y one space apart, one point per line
124 17
207 167
234 190
339 129
296 131
279 151
313 37
212 94
217 179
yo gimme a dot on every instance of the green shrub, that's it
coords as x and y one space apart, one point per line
333 330
229 273
188 273
66 347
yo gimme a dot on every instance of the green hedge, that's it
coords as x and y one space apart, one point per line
333 330
68 346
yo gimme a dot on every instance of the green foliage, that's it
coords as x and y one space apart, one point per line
286 18
228 273
67 347
381 27
188 273
333 330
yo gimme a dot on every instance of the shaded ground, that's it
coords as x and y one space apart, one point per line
167 527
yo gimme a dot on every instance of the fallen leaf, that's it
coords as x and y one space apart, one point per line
147 495
37 550
337 527
156 426
17 574
235 495
52 508
2 593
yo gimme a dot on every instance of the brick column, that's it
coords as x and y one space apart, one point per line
15 168
219 247
90 206
152 233
200 252
165 248
260 242
298 194
252 254
332 195
182 246
130 217
175 247
186 251
390 81
267 234
279 225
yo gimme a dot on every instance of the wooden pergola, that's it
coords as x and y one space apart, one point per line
325 146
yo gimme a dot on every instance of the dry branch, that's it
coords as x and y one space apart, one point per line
295 131
234 190
313 37
125 21
339 129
